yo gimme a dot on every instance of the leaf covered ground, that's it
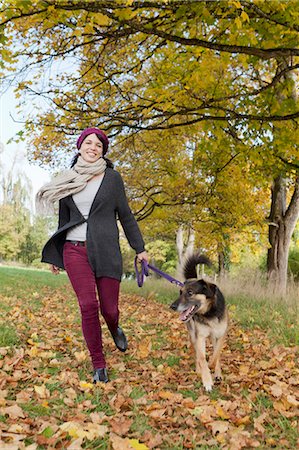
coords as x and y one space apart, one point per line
154 400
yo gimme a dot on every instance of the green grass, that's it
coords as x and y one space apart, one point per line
17 281
8 336
137 393
35 410
98 444
280 319
158 289
140 424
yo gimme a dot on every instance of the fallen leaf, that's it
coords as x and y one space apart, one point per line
258 423
42 391
14 412
137 445
119 443
276 390
219 426
144 348
120 425
86 430
85 386
80 356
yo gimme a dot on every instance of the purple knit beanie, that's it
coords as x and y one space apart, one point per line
100 134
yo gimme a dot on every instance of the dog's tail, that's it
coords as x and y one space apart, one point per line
191 263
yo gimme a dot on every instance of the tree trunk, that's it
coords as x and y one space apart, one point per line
283 220
185 239
224 256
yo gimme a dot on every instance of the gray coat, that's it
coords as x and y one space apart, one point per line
102 240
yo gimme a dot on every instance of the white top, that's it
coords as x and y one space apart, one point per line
83 201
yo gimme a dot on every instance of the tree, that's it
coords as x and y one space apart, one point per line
35 238
104 40
10 237
194 183
15 189
152 66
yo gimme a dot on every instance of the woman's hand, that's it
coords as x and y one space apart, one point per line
143 256
54 269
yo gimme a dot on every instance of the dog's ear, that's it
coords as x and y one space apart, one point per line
213 289
206 288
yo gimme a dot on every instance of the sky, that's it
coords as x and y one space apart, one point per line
9 126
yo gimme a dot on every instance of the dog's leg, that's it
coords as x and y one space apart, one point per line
193 338
215 360
201 363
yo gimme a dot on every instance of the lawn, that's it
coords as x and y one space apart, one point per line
154 399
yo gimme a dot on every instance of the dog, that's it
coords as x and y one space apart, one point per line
202 307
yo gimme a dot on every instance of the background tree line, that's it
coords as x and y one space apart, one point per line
22 234
199 100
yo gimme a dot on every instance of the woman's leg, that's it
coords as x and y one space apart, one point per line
108 289
84 283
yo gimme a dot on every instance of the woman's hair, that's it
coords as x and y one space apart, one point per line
108 161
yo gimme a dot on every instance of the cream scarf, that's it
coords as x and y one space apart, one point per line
67 183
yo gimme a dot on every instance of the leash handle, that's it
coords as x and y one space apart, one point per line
144 272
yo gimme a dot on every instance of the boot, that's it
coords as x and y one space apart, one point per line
100 376
120 339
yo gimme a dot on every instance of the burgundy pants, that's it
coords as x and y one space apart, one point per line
85 285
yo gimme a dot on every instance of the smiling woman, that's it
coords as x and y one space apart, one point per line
91 197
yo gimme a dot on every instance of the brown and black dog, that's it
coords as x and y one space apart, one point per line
202 307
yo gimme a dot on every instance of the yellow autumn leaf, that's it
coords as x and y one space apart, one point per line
33 351
245 16
137 445
72 428
237 4
238 22
221 413
101 19
84 385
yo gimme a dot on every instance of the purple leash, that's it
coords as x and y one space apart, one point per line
144 272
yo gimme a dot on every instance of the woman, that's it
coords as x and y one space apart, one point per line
91 197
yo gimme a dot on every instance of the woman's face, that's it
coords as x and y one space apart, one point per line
91 148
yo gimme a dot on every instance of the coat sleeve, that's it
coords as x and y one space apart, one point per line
127 219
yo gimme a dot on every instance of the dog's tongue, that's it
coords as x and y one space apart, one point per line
185 315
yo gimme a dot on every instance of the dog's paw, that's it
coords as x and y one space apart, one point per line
208 387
